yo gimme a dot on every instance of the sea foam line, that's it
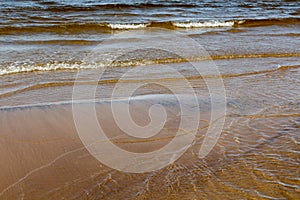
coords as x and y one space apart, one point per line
127 26
203 24
47 67
207 24
14 68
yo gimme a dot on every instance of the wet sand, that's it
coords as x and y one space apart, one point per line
40 145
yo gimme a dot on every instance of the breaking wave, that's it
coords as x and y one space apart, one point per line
106 27
14 68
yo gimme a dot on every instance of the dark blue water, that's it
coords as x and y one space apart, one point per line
56 13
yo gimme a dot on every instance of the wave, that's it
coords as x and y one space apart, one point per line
127 26
111 80
267 22
94 27
80 42
61 7
14 68
104 27
203 24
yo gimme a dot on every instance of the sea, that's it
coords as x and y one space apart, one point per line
243 54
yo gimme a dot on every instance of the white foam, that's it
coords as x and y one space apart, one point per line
127 26
203 24
17 68
12 69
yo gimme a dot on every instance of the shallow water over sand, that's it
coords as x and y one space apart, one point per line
40 146
257 155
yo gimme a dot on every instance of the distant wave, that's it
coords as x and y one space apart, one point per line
105 27
117 6
61 7
202 24
14 68
127 26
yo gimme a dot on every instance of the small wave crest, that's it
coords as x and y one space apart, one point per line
107 27
14 68
127 26
203 24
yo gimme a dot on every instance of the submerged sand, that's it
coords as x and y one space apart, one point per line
43 156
